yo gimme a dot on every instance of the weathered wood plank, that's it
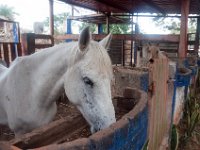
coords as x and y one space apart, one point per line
50 133
158 103
6 53
144 37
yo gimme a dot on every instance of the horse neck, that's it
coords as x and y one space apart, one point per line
54 59
49 66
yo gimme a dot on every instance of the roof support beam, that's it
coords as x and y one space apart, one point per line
196 46
51 17
182 51
153 5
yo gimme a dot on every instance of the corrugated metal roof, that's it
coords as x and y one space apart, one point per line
136 6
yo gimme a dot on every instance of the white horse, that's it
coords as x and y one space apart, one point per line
31 85
149 52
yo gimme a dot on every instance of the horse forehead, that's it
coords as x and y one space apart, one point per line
98 60
98 70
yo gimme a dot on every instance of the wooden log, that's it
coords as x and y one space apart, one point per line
182 51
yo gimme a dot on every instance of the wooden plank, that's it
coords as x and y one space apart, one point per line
30 43
1 55
13 54
123 54
182 51
43 36
143 37
159 103
50 133
196 45
40 46
19 49
6 53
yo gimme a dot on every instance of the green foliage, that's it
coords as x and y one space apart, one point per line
59 21
192 114
84 24
118 28
191 119
8 12
145 146
174 138
114 28
173 24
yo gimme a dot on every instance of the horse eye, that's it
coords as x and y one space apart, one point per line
88 81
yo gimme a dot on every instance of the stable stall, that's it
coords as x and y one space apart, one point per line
146 97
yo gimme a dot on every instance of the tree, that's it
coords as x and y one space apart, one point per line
84 24
59 23
114 28
173 24
118 28
7 12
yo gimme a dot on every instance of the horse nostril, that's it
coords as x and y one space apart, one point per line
151 60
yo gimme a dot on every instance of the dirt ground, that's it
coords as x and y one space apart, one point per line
66 108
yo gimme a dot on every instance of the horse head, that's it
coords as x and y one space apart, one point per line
150 52
87 82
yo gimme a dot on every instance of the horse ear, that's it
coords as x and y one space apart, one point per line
84 39
106 41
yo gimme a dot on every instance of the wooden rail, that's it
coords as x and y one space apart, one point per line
141 37
9 51
31 42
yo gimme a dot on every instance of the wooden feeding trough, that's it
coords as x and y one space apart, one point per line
72 132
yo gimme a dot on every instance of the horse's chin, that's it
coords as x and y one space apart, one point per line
93 130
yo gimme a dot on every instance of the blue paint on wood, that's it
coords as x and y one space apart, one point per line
100 28
198 62
15 33
69 29
192 68
136 136
144 82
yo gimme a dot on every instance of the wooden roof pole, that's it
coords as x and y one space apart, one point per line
107 24
196 46
51 17
183 45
